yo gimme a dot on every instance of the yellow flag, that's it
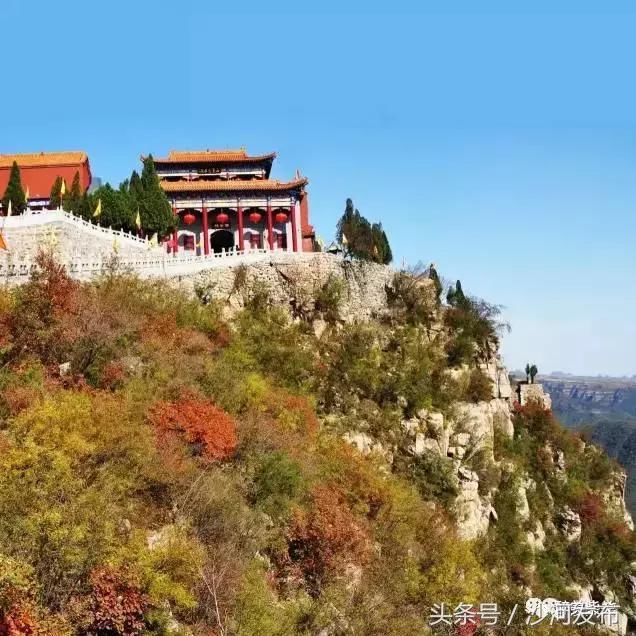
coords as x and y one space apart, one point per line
26 194
98 209
154 240
10 208
63 188
344 240
138 220
3 245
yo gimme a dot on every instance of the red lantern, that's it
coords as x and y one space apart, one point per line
222 217
189 218
255 217
281 217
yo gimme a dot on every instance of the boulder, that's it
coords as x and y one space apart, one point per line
424 444
461 439
433 420
536 538
614 498
569 523
523 508
498 375
473 513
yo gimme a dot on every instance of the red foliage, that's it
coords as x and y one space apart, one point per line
617 530
222 336
198 422
113 375
531 410
116 604
469 629
591 508
18 398
325 539
49 295
293 411
18 621
536 419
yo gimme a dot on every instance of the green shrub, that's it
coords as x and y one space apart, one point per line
257 611
434 476
412 298
474 327
277 482
479 387
328 298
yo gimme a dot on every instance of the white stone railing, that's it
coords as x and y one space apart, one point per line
149 265
146 260
46 217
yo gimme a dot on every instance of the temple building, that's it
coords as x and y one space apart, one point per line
226 200
38 172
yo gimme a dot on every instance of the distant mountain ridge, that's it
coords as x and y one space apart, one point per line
604 406
575 398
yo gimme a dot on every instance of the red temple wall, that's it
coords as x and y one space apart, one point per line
307 230
40 179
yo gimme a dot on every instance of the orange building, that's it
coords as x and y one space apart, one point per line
38 172
226 200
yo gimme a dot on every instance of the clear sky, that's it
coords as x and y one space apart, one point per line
499 143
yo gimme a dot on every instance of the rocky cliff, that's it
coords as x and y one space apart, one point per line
466 431
469 450
311 442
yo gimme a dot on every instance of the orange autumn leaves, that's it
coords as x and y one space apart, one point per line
208 431
326 538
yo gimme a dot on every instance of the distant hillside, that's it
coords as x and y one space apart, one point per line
577 399
606 407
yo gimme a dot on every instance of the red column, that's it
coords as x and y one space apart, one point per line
270 226
175 235
292 211
239 216
206 234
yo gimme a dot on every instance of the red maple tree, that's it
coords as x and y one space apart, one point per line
207 429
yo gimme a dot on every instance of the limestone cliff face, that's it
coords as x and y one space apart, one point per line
294 283
469 432
459 437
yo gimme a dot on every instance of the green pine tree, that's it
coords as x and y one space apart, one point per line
115 208
14 192
84 210
154 208
381 248
456 297
55 198
135 186
73 198
363 240
434 276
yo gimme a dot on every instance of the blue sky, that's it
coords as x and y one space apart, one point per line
498 143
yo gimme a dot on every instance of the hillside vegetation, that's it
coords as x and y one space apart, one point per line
166 471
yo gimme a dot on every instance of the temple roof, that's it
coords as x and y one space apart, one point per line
37 159
38 170
206 156
256 185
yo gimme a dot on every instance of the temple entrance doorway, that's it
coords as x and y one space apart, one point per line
221 240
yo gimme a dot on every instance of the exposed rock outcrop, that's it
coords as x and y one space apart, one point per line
473 512
293 284
569 523
533 393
